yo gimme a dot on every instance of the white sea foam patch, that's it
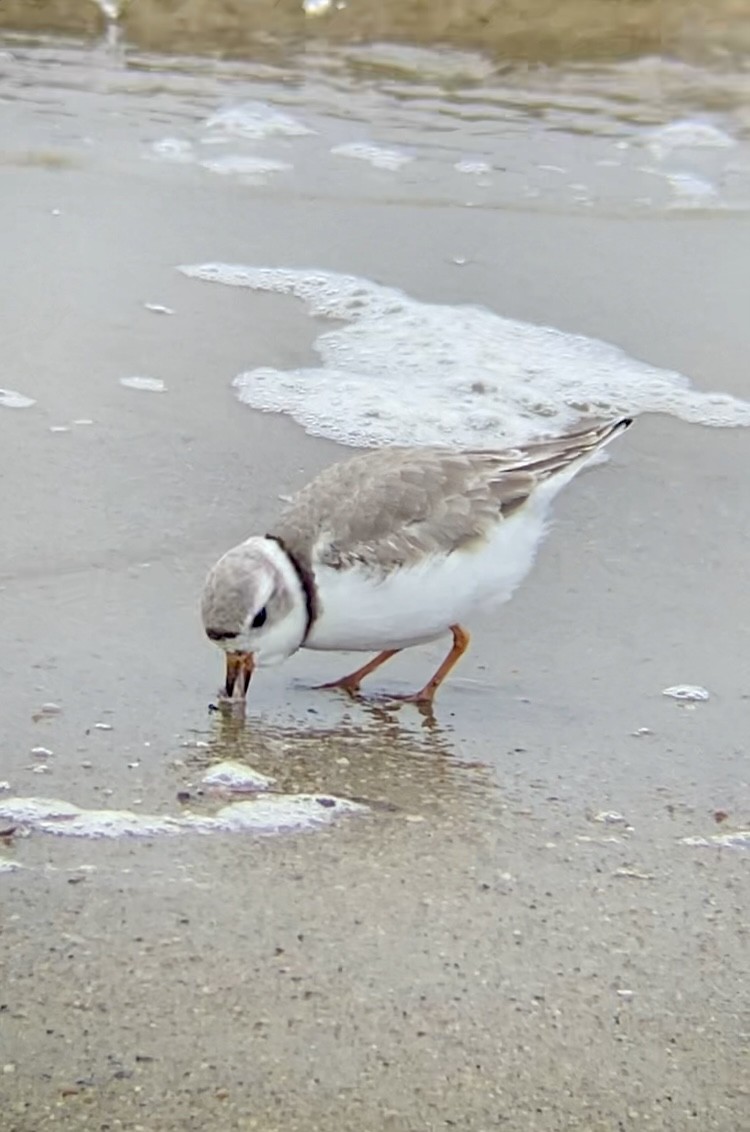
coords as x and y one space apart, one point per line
401 371
236 778
377 155
12 399
239 165
268 813
254 120
467 165
174 149
687 134
739 839
145 384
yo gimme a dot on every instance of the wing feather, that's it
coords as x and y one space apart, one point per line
393 506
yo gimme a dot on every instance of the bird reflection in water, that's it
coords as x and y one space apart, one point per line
375 759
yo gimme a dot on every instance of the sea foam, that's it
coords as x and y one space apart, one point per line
400 371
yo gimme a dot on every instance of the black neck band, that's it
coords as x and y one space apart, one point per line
307 582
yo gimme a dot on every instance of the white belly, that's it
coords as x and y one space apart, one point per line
362 612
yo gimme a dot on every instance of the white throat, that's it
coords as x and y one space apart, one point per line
284 635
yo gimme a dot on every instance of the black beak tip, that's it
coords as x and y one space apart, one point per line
239 669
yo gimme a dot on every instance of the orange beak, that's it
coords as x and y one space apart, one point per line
240 667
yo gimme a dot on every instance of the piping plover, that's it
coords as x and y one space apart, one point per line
390 549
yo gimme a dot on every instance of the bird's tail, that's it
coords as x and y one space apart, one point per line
549 456
554 462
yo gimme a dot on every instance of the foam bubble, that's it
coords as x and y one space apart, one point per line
378 156
254 120
687 134
404 372
145 384
278 813
173 149
240 166
50 815
12 399
740 839
692 192
236 777
268 813
25 811
469 166
690 693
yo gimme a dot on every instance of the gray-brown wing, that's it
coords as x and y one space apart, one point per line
394 505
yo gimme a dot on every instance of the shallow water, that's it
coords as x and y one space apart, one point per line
450 127
535 30
388 125
535 921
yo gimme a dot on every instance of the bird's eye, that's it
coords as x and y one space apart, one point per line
260 618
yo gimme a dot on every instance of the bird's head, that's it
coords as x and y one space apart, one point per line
253 607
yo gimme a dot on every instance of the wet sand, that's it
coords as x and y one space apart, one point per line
478 951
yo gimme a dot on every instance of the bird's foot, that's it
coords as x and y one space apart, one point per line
351 687
423 698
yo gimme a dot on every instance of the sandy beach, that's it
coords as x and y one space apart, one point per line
514 934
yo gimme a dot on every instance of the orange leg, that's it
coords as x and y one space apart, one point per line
352 682
460 644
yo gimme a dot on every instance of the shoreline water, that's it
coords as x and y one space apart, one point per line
538 32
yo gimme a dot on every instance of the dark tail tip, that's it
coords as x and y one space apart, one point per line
617 427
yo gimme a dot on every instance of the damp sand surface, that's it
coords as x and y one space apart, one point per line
510 930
